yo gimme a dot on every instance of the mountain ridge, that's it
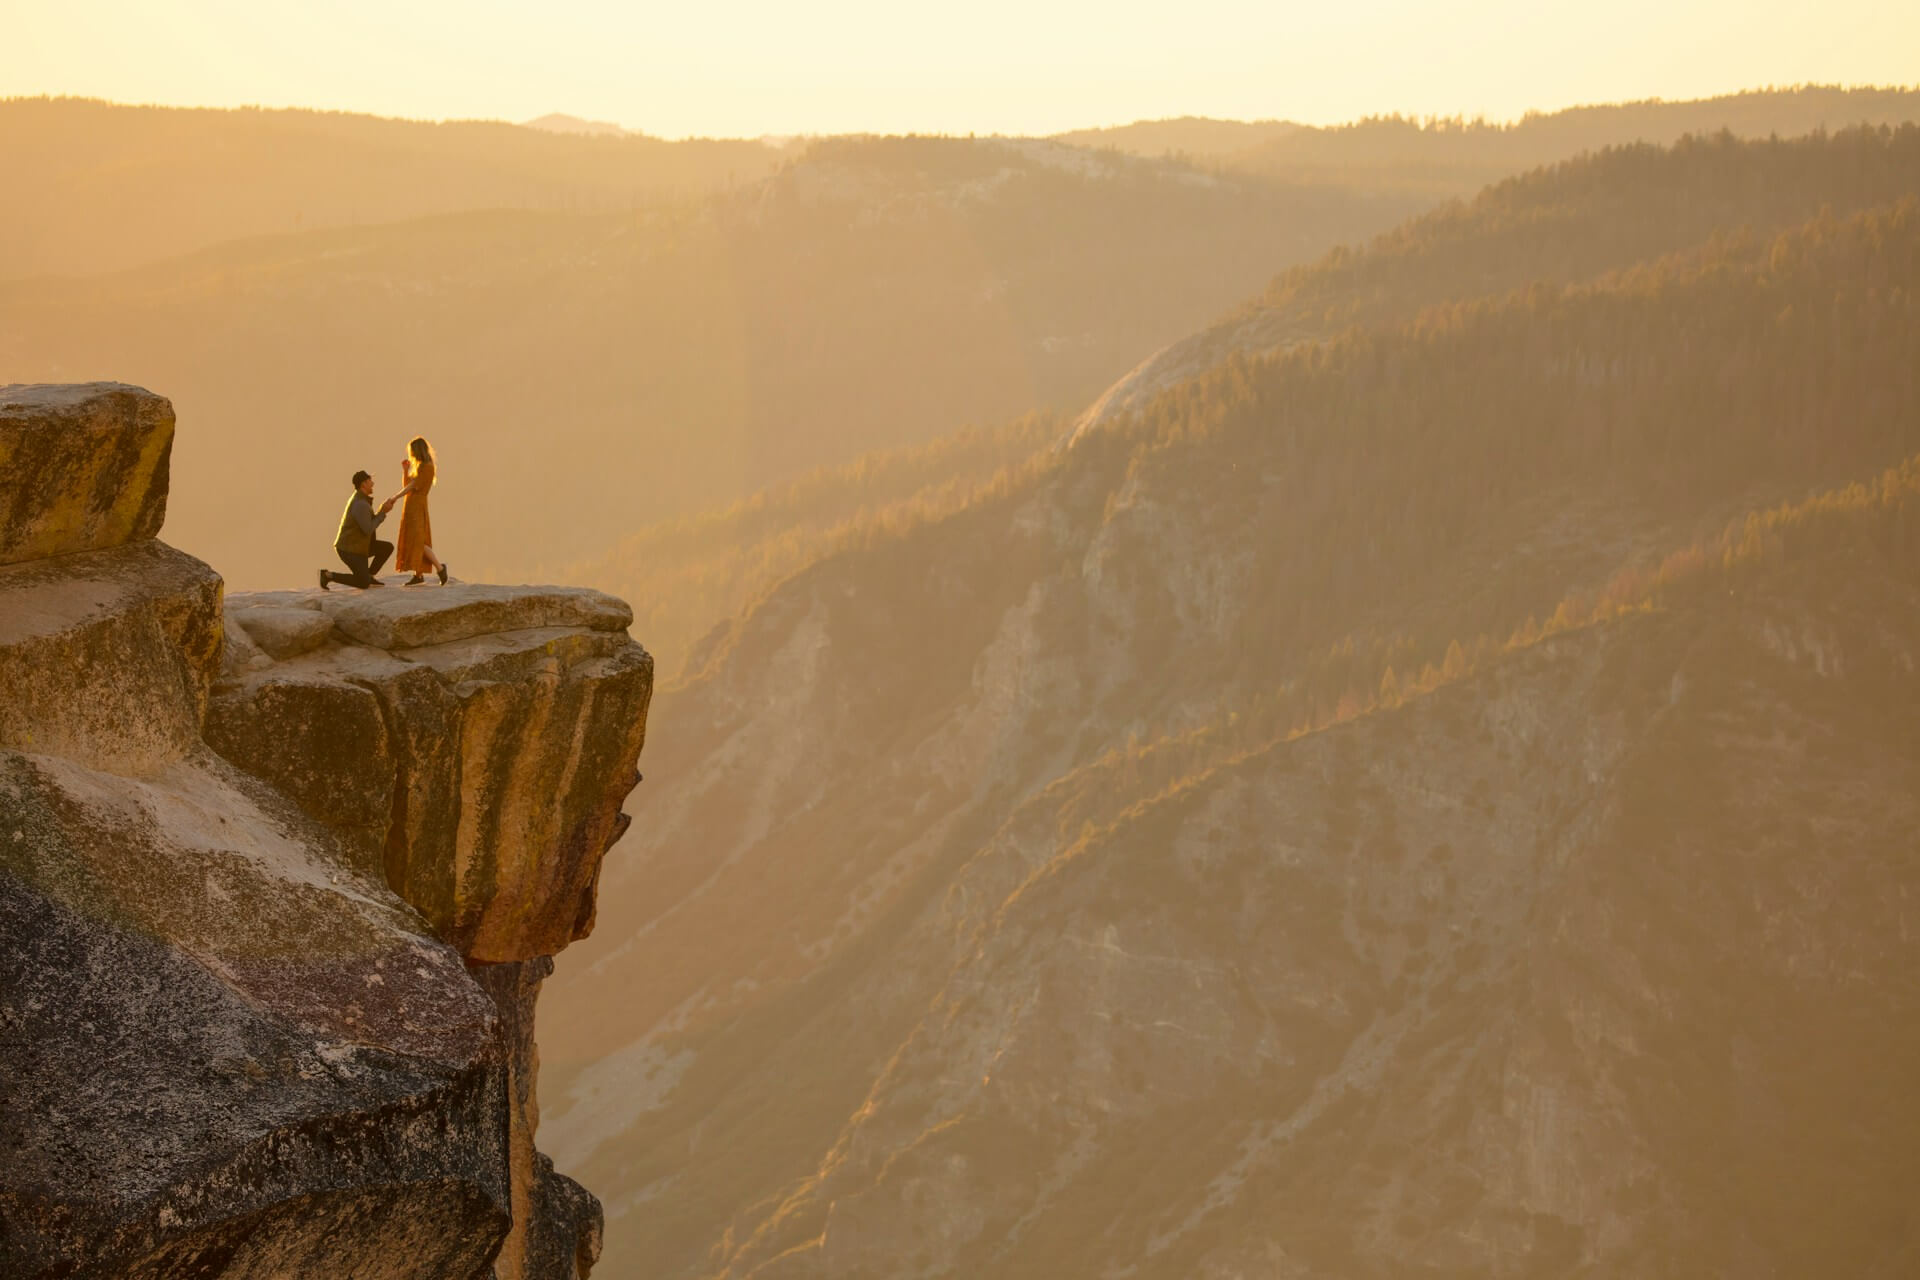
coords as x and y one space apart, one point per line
1253 551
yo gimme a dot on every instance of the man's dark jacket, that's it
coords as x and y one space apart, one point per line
357 524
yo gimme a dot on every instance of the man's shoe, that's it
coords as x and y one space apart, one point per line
442 571
376 583
326 580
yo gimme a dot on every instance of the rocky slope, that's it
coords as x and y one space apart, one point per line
1598 963
270 1013
1037 894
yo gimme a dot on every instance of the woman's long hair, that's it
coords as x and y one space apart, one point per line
423 453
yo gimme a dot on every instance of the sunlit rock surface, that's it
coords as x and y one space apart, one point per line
228 1046
409 619
228 1051
476 742
85 467
107 656
471 745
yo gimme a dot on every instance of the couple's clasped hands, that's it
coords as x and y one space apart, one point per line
406 479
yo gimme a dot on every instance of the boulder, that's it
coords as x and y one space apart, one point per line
283 633
240 653
107 657
85 467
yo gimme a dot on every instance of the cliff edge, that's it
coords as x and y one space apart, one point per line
279 878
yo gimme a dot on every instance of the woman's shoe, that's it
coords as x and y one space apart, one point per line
416 580
442 571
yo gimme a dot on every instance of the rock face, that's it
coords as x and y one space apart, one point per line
246 1027
476 742
472 745
557 1224
97 454
227 1051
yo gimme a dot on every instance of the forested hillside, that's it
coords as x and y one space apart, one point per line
1599 213
1293 828
686 576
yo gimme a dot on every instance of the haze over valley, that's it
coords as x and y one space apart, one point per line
621 332
1235 698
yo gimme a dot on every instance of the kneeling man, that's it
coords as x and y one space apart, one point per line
355 542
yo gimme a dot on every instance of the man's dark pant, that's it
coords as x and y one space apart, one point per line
363 574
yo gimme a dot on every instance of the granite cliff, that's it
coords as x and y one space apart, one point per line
280 877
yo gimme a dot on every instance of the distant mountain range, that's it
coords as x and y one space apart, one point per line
1192 136
557 123
1456 157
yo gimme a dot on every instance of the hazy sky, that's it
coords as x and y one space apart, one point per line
749 67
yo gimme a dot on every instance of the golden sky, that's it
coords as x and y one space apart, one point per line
751 67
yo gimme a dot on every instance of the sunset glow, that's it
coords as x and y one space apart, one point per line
997 66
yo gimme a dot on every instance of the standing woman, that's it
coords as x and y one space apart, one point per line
416 530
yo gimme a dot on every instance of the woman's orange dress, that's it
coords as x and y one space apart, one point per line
416 530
